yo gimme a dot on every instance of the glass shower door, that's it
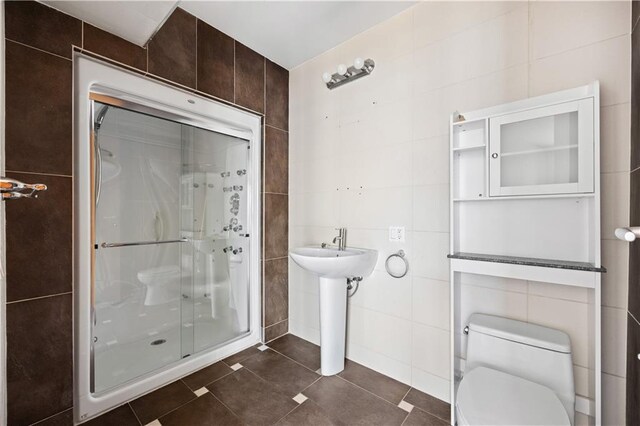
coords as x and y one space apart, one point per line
171 261
214 219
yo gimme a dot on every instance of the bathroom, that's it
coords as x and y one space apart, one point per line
357 125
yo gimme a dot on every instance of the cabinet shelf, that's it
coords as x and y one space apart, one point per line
539 150
529 261
469 148
526 197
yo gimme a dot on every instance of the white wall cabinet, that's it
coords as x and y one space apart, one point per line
545 150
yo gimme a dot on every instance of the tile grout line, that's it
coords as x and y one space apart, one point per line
368 391
276 128
225 405
38 49
38 298
299 363
39 173
37 422
283 417
314 382
178 407
134 412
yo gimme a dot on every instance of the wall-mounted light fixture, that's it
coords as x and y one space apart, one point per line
360 68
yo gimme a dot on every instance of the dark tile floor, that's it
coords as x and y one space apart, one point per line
279 385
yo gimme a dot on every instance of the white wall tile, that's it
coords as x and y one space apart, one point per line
614 337
430 350
383 364
608 61
429 258
614 203
613 404
431 208
570 317
584 384
431 160
576 294
430 300
438 20
495 283
431 384
615 283
385 334
488 301
374 208
615 137
560 26
385 294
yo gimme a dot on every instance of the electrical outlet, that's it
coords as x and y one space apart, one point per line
396 234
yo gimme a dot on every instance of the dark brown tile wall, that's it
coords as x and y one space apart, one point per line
113 47
633 371
172 51
185 52
633 327
249 78
215 62
39 358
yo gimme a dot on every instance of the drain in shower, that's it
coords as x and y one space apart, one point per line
158 342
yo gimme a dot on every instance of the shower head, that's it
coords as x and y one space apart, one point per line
100 117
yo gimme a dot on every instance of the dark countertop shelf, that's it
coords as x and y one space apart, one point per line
528 261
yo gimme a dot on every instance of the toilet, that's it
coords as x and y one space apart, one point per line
516 373
162 283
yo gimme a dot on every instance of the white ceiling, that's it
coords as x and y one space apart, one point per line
135 21
287 32
292 32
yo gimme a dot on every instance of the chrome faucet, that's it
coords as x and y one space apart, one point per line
342 238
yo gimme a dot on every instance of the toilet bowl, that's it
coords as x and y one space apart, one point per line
516 373
162 283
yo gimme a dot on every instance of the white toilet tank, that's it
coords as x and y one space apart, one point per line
539 354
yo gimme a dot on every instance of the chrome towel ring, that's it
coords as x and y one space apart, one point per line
401 255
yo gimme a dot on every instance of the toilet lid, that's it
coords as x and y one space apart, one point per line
490 397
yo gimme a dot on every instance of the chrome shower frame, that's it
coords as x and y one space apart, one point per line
96 81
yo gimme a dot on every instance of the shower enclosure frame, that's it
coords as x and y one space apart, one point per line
96 80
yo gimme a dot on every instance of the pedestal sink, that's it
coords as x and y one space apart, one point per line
333 267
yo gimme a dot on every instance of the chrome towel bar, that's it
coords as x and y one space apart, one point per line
401 255
142 243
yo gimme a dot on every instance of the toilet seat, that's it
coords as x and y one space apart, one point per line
490 397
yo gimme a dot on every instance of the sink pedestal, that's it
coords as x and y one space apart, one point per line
333 324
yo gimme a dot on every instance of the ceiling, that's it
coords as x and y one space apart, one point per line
135 21
292 32
287 32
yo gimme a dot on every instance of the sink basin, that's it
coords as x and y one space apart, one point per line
333 263
333 267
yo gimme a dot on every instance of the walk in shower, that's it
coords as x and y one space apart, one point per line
168 283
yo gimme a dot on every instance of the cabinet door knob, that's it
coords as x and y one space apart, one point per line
494 155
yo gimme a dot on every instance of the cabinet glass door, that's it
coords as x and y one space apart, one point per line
546 150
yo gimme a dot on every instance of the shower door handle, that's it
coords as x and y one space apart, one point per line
142 243
98 167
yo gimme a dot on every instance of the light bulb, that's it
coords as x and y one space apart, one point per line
358 63
326 77
342 69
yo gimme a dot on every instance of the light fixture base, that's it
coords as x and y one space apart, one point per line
352 74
